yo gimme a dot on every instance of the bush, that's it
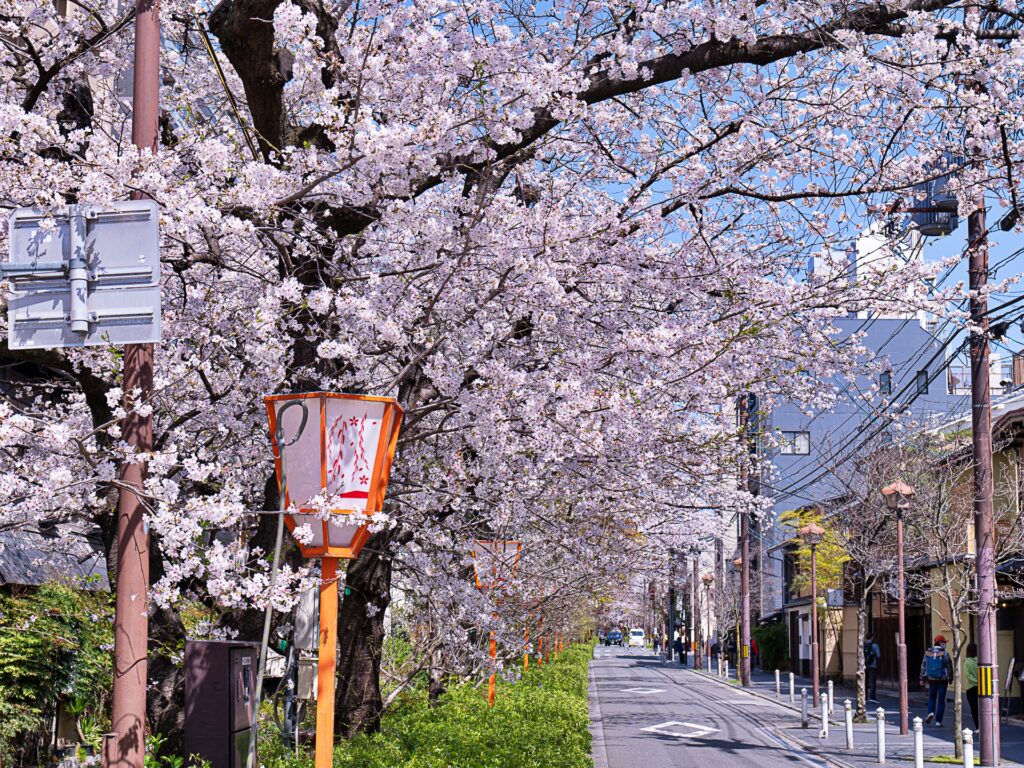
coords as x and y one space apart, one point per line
538 722
773 646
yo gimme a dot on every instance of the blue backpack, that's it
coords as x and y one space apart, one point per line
935 665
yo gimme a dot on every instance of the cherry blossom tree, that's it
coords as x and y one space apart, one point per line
564 236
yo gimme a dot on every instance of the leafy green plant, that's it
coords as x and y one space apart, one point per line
540 721
55 644
772 646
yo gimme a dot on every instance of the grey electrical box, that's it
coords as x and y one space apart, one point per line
84 275
220 690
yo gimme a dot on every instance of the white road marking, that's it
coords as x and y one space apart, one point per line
643 690
698 732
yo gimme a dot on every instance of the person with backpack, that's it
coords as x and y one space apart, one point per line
871 656
937 671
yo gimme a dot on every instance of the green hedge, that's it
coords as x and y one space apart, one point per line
538 722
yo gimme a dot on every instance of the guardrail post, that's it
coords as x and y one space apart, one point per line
792 688
778 685
880 722
803 708
968 748
848 712
918 743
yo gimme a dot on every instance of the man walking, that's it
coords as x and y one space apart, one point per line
872 654
677 646
937 671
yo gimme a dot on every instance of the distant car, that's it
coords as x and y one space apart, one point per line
636 638
613 638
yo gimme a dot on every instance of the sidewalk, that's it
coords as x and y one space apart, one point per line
937 741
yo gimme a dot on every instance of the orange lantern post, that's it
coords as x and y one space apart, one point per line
338 469
492 559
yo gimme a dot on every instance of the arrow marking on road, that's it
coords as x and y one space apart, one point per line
698 732
643 690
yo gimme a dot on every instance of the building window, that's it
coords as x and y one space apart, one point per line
922 382
795 443
885 382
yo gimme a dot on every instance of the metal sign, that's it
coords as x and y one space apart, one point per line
85 275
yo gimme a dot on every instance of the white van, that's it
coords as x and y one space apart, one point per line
636 638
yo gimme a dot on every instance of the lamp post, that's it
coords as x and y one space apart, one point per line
708 580
492 559
812 534
897 499
337 474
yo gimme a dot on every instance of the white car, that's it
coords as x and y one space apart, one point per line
636 638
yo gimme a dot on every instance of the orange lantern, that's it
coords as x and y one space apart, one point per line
339 450
492 560
341 462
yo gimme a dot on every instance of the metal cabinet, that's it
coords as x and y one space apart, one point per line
220 689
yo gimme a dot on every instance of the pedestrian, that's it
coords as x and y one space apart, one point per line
755 657
971 675
677 646
871 656
936 671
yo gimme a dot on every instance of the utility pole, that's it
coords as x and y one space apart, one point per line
131 620
671 620
981 432
698 651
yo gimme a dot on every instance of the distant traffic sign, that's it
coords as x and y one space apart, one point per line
85 275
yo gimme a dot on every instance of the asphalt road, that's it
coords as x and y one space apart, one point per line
650 715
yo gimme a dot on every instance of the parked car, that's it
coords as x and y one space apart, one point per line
613 638
636 638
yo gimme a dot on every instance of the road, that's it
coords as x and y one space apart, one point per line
650 715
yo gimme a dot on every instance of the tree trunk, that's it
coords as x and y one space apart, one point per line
358 702
862 621
435 685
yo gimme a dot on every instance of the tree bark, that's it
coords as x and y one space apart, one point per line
358 703
862 622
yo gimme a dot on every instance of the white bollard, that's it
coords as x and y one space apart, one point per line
803 708
726 669
709 664
918 743
848 711
778 685
880 721
792 688
968 748
831 700
823 733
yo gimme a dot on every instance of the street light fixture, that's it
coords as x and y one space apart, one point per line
897 499
812 535
492 559
339 461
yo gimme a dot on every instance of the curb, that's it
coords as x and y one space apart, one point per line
598 752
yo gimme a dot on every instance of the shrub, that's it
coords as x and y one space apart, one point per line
539 721
772 646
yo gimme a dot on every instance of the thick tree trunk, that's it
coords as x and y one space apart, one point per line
358 701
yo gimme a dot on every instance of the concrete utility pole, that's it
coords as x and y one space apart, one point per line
746 406
131 620
981 431
671 597
698 648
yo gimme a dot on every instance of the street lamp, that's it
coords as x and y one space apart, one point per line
340 449
812 534
708 580
492 559
897 499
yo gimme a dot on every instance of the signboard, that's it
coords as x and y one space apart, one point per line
835 598
85 275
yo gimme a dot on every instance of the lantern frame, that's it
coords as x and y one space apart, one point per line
499 581
387 444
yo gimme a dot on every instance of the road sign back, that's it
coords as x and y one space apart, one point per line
87 275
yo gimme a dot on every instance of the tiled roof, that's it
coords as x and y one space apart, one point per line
64 551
